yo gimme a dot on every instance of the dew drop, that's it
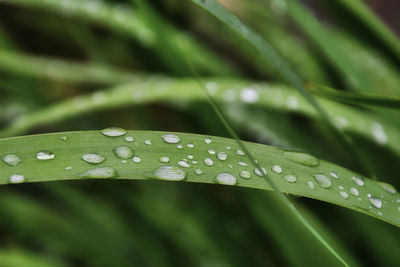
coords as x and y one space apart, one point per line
376 202
208 162
228 148
211 151
245 174
164 159
168 173
207 140
358 180
64 138
198 171
249 95
148 142
12 160
123 152
301 158
334 175
226 178
242 163
341 187
16 179
239 152
45 155
190 145
322 180
68 168
259 173
171 138
277 169
387 187
93 158
103 172
184 164
129 139
343 194
290 178
190 156
222 156
310 185
114 132
354 191
136 159
179 146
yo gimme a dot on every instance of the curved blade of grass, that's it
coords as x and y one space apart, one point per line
68 149
355 97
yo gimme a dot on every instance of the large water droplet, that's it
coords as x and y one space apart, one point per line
93 158
290 178
168 173
123 152
301 158
322 180
277 169
208 162
164 159
171 138
113 132
358 180
222 156
45 155
376 202
103 172
387 187
16 179
12 160
226 178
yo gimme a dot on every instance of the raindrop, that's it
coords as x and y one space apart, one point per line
148 142
226 178
341 187
277 169
129 139
12 160
359 181
354 191
322 180
123 152
136 159
45 155
387 187
334 175
168 173
16 179
164 159
207 140
245 174
208 162
68 168
244 164
198 171
376 202
114 132
228 148
190 156
301 158
259 173
179 146
64 138
103 172
343 194
184 164
239 152
93 158
171 138
222 156
211 151
310 185
190 145
290 178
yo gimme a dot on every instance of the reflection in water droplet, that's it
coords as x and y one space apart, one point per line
45 155
290 178
16 179
123 152
301 158
222 156
358 180
226 178
322 180
168 173
376 202
113 132
245 174
93 158
208 162
12 160
103 172
164 159
277 169
136 159
171 138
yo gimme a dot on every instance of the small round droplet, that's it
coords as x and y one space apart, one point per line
148 142
114 132
259 173
211 151
171 138
123 152
277 169
12 160
207 140
334 175
45 155
184 164
290 178
222 156
129 139
242 163
16 179
245 174
376 202
102 173
226 178
343 194
387 187
208 162
190 156
358 180
354 191
136 159
179 146
322 180
93 158
190 145
168 173
301 158
164 159
198 171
